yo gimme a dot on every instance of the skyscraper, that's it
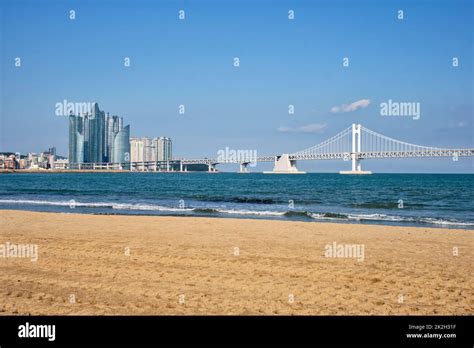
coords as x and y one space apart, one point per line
121 148
164 149
151 149
136 149
76 139
97 135
113 126
97 138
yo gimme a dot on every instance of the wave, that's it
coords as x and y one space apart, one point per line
445 222
253 200
237 212
118 206
205 210
57 203
321 216
384 205
297 213
125 206
389 218
251 212
381 217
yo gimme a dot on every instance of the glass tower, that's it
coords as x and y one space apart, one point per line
98 138
76 139
121 149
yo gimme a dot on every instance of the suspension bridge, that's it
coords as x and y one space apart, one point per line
353 144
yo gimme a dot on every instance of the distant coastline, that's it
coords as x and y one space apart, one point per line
63 171
57 171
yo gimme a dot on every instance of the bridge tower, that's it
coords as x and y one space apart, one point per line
356 150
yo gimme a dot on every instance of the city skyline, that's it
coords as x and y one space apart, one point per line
282 63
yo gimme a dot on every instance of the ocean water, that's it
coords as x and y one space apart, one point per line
434 200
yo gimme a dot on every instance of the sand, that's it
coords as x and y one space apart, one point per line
91 264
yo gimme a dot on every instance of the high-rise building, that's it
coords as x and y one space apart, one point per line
136 149
151 149
113 125
96 135
76 139
164 149
98 138
121 148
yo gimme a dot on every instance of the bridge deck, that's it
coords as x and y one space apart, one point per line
328 156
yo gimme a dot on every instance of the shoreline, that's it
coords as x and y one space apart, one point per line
246 216
230 266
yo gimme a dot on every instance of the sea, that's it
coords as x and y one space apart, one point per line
429 200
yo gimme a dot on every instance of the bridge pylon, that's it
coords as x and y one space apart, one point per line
284 165
243 168
356 150
211 167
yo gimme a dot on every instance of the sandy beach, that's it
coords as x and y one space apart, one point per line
95 264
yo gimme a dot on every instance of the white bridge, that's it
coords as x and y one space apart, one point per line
354 144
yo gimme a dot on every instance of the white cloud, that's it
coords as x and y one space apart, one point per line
309 128
360 104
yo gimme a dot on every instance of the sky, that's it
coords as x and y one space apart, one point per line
283 62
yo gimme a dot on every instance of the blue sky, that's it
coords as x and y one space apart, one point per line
282 62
